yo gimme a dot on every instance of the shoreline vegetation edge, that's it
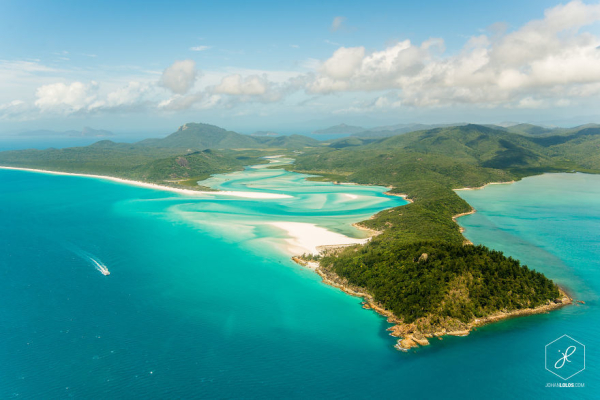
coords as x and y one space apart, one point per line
408 339
408 336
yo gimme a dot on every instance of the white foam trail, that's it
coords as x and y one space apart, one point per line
100 266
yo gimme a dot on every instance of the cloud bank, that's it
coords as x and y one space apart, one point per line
550 62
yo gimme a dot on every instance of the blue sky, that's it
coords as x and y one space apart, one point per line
152 65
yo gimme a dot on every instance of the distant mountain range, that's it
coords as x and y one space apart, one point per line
195 136
339 130
399 129
420 248
85 132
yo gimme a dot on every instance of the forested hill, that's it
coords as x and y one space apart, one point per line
192 153
204 136
419 267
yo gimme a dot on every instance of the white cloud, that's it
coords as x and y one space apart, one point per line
551 62
199 101
179 77
129 97
200 48
62 98
337 23
344 62
544 58
23 66
16 109
235 84
530 102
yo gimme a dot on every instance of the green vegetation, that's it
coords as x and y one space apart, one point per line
166 167
193 136
457 283
429 281
180 159
419 266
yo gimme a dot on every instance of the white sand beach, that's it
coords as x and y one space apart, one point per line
487 184
189 192
305 237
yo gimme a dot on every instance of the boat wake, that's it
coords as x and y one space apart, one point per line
100 266
94 261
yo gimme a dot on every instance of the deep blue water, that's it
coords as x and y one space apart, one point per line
192 311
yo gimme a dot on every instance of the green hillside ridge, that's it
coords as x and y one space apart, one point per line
196 136
153 165
202 136
427 166
399 129
180 159
418 267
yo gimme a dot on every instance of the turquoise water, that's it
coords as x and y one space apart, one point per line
552 224
193 308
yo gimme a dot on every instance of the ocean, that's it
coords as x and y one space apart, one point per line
203 301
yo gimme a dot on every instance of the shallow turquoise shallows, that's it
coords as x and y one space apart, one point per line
202 300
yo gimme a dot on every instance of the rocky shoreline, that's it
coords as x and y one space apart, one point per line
409 335
371 232
487 184
404 196
460 228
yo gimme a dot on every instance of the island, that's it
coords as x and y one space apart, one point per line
418 269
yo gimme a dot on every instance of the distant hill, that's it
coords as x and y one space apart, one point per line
523 129
197 136
340 129
289 142
418 267
399 129
91 132
350 141
407 267
529 129
264 133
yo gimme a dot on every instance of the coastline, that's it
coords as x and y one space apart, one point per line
318 240
408 334
404 196
487 184
303 237
369 231
473 211
460 228
147 185
306 237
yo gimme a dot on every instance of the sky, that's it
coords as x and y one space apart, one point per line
151 66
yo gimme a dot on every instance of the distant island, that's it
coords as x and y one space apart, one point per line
91 132
85 132
418 269
339 129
